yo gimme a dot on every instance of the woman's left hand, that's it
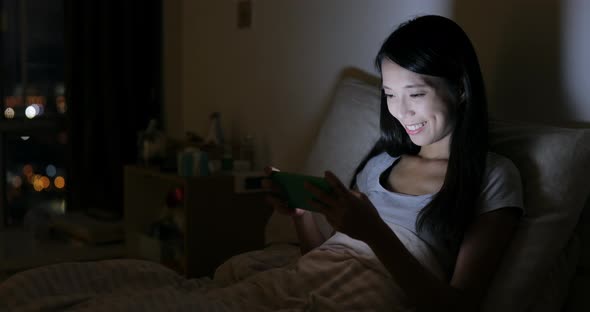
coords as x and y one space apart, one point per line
349 212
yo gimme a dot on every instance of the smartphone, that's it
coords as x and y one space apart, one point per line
297 195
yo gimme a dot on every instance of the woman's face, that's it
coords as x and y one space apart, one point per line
422 104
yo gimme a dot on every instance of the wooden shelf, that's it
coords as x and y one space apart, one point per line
219 222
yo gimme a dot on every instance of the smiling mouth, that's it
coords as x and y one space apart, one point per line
415 127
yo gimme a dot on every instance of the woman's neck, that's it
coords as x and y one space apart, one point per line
439 150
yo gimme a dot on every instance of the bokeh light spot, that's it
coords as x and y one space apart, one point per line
30 112
59 182
51 170
45 182
28 170
17 181
9 113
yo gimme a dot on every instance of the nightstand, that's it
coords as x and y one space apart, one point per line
219 220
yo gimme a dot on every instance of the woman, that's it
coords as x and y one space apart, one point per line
430 172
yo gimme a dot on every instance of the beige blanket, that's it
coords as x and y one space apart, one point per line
325 279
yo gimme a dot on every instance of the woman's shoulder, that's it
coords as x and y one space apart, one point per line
382 158
379 162
502 185
373 168
499 164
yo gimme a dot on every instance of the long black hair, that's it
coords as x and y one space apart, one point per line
436 46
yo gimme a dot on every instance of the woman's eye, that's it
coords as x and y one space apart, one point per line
389 96
415 95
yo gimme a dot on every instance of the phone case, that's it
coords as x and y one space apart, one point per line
297 195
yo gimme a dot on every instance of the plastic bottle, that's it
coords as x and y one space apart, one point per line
247 150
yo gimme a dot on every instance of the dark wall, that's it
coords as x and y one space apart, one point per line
520 47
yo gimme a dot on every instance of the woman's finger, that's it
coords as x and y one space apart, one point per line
268 170
266 184
282 207
359 195
335 183
299 211
269 185
318 206
320 195
276 202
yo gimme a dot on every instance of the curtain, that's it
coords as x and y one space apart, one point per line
113 85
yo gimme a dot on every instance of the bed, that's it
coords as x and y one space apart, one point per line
544 269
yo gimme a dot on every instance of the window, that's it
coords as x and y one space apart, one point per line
33 136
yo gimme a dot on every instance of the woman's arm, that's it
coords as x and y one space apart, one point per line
479 256
308 232
480 252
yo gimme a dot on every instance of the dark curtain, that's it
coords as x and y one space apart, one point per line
114 88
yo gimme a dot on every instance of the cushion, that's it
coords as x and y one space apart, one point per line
556 285
552 164
583 232
577 299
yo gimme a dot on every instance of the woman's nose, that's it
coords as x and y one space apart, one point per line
405 110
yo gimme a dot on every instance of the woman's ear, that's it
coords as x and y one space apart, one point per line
457 97
460 93
462 96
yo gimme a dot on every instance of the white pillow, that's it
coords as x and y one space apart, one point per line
553 166
349 130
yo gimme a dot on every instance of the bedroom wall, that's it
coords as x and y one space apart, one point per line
534 56
172 70
274 80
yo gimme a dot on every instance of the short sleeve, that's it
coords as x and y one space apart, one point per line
366 178
361 179
502 185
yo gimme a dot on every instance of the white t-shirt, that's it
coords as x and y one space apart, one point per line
501 188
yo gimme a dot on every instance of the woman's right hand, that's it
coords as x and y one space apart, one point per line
276 196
